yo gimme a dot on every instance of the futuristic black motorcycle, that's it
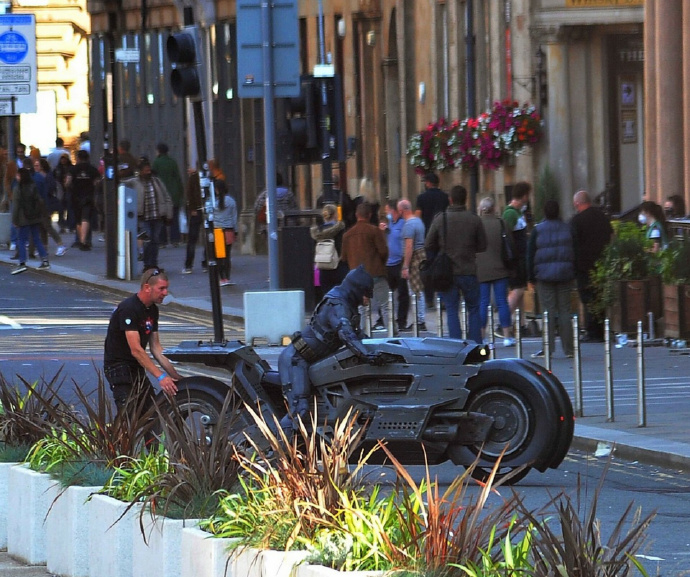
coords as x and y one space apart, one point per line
434 398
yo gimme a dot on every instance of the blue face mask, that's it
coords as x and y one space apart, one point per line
389 216
642 218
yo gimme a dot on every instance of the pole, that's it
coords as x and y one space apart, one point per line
577 367
110 159
518 334
608 372
546 342
439 322
326 164
391 314
471 92
492 328
641 393
269 138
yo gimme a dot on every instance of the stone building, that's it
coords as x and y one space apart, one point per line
403 64
62 54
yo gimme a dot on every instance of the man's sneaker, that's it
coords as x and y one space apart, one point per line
15 256
19 268
538 355
76 244
224 282
509 342
45 265
84 247
186 271
421 327
61 250
13 246
379 326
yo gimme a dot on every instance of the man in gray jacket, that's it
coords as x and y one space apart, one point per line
463 238
155 208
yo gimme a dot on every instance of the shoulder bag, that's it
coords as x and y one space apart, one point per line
326 255
508 254
438 272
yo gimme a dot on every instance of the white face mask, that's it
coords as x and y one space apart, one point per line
642 218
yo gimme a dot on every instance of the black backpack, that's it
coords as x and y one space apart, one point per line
32 204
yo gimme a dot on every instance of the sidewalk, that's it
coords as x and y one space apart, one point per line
664 442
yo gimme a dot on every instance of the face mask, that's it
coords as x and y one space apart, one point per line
389 217
642 218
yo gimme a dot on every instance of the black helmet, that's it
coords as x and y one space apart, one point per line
360 280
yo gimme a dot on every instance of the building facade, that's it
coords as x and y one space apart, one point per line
62 53
403 64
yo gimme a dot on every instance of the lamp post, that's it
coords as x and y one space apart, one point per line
470 72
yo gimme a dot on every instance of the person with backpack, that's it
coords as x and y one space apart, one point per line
27 215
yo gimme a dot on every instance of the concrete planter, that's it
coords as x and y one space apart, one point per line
204 555
68 533
30 495
4 489
110 546
160 554
320 571
266 563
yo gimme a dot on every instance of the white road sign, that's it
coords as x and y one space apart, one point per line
17 64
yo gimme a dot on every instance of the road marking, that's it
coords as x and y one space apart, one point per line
8 321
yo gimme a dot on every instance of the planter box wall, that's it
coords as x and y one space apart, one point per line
29 499
161 554
110 546
4 489
68 533
204 555
633 301
320 571
677 311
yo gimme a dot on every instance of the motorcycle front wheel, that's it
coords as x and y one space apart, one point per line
523 425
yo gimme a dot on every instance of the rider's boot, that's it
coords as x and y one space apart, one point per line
299 407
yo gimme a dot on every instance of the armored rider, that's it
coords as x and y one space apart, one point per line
335 323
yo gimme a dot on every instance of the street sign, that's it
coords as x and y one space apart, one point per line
18 85
127 55
284 49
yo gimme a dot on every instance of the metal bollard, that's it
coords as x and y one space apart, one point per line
463 319
391 315
608 372
439 319
577 367
641 395
650 320
415 324
546 343
367 320
518 334
492 338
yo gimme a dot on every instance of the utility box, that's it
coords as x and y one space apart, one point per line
296 262
127 227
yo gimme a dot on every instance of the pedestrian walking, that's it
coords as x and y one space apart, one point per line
27 214
414 254
165 167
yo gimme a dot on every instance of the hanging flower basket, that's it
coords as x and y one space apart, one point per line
489 140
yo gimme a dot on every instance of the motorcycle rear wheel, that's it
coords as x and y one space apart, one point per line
524 424
511 430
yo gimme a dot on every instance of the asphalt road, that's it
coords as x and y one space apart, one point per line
46 324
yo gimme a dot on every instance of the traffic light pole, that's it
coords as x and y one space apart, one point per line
326 163
269 136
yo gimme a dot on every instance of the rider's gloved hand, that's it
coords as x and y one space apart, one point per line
376 359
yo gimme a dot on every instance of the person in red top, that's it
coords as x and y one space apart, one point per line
366 244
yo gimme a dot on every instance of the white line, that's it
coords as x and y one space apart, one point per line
8 321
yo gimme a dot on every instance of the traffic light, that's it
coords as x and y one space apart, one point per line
299 142
302 142
184 54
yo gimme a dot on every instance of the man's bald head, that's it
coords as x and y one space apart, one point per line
404 206
581 200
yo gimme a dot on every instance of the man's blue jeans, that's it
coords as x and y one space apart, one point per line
468 285
153 229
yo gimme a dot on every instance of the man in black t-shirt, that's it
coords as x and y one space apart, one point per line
82 180
134 326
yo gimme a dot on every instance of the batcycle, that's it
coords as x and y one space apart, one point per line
435 399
